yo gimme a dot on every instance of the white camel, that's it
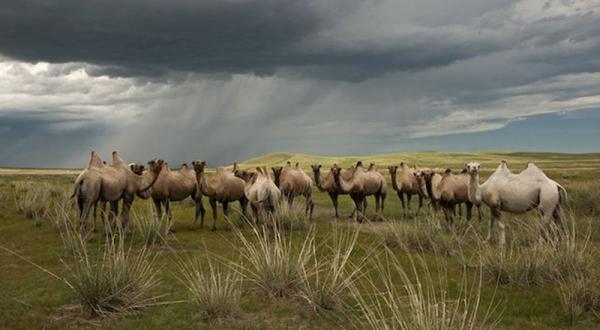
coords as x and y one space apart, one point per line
515 193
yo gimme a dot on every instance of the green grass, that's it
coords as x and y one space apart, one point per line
32 299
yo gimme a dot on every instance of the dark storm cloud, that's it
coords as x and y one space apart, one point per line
310 38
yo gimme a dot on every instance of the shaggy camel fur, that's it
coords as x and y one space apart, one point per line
447 191
111 184
294 182
361 184
515 193
263 194
404 182
173 186
224 187
328 185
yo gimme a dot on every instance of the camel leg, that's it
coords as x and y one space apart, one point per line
408 198
127 202
158 206
225 205
494 216
84 210
95 215
169 212
114 210
401 196
290 199
377 204
448 212
469 207
244 207
255 213
382 205
357 207
420 205
310 206
213 205
334 201
200 211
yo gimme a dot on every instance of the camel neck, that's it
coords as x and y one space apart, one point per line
474 193
394 182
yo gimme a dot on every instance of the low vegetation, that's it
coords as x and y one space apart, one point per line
412 272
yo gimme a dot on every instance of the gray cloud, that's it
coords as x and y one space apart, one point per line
228 80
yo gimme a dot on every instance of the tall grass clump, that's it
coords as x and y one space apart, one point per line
290 218
117 280
330 274
426 234
270 260
395 296
215 289
153 231
539 255
32 199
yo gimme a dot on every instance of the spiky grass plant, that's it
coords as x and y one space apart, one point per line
425 234
153 231
32 199
270 261
395 296
289 219
329 275
215 289
117 280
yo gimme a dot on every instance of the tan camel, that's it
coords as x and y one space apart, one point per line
404 182
263 194
327 184
361 184
515 193
224 187
294 182
111 184
173 186
447 191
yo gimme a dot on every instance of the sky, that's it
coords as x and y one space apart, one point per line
228 80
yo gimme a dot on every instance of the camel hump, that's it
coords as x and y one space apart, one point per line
235 167
95 160
297 165
359 163
116 159
184 166
448 171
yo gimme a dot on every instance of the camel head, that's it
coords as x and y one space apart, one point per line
155 165
137 168
473 167
393 169
198 165
422 182
277 173
316 168
244 174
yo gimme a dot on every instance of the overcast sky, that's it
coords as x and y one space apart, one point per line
226 80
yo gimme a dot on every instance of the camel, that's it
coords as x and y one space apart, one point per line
327 184
515 193
361 184
405 182
224 187
263 194
447 191
294 182
110 184
173 186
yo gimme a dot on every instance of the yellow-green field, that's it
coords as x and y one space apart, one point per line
527 295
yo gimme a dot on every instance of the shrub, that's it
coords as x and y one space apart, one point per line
270 262
216 290
329 276
417 301
152 230
32 199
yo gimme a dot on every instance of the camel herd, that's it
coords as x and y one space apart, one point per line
101 183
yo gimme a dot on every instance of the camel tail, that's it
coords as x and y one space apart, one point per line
562 190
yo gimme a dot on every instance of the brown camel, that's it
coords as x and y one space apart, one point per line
447 191
294 182
173 186
327 184
361 184
111 184
224 187
405 182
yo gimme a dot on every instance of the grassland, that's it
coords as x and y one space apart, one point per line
33 299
